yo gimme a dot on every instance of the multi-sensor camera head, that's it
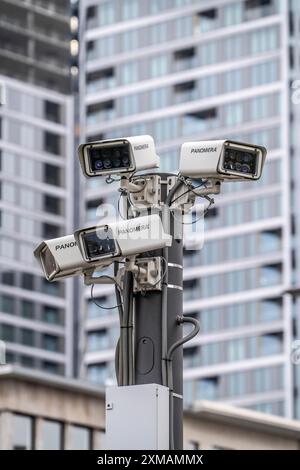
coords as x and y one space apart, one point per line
60 258
122 239
222 160
118 156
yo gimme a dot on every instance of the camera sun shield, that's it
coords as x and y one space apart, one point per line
118 156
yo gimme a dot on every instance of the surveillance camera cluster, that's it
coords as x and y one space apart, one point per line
99 246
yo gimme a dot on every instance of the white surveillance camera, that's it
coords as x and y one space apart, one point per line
118 156
222 160
60 258
122 239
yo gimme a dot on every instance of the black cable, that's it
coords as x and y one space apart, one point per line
93 298
171 350
211 202
185 339
191 189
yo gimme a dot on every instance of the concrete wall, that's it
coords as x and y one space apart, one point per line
211 434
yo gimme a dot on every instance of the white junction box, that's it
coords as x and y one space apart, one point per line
137 417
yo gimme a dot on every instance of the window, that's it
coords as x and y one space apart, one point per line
270 241
51 367
52 204
7 332
51 314
27 361
158 66
234 114
232 48
158 33
8 278
100 80
185 58
106 13
199 121
129 73
207 20
27 337
270 275
52 143
7 304
98 340
255 9
236 384
52 174
50 231
270 310
27 281
22 432
208 86
27 309
184 91
51 343
233 13
27 168
103 47
129 40
236 349
51 435
183 26
208 53
233 80
98 373
158 98
271 344
100 112
52 111
263 40
130 9
208 388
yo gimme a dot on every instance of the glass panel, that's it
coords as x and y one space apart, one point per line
79 438
51 435
22 432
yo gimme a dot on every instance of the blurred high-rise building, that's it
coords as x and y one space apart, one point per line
36 179
184 70
35 42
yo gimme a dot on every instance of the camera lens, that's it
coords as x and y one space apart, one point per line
107 163
248 157
116 162
98 165
125 160
245 168
105 153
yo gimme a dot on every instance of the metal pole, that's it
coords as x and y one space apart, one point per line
148 326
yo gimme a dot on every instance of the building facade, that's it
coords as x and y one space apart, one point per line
70 414
185 70
36 179
35 42
36 203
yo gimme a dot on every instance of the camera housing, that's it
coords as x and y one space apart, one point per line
222 160
122 239
60 258
118 156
